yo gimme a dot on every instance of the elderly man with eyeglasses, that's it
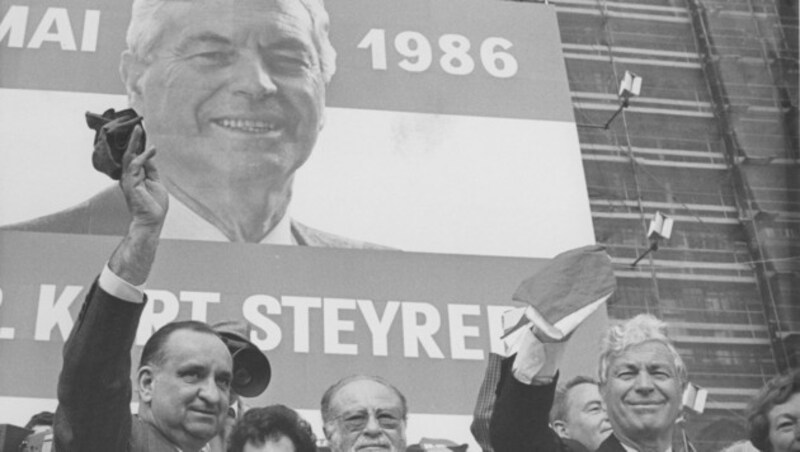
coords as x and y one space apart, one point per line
364 412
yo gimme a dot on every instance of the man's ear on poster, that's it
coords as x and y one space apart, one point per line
131 70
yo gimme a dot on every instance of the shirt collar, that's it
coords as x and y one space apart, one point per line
183 223
632 449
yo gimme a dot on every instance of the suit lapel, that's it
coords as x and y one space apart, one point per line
611 444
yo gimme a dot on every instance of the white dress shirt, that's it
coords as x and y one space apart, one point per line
183 223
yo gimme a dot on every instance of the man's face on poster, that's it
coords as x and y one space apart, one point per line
230 89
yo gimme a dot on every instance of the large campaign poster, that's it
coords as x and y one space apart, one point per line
447 137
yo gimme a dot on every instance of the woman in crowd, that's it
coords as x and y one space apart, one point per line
275 428
774 416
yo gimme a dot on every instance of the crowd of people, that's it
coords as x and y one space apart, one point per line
192 376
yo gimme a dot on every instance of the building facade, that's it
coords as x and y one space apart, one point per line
712 142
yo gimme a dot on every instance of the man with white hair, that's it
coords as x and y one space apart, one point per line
642 378
233 97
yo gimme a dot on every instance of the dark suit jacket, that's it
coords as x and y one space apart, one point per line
484 405
611 444
520 420
94 388
107 214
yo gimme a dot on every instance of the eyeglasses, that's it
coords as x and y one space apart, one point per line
357 421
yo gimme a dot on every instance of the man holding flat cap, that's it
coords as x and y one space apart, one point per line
187 370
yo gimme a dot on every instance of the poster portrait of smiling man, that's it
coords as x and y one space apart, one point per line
234 96
268 116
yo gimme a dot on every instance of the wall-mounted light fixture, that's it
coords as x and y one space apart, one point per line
660 229
629 86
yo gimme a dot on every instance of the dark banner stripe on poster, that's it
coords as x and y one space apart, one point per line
424 321
462 57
